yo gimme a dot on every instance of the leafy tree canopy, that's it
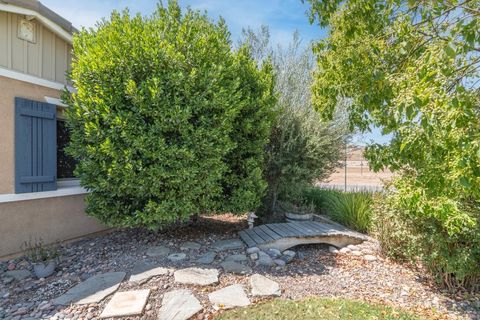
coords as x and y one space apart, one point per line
412 68
168 120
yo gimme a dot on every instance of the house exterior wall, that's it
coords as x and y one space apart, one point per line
51 219
9 89
48 58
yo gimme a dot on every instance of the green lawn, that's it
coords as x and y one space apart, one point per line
315 309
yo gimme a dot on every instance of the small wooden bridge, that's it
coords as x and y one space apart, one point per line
282 236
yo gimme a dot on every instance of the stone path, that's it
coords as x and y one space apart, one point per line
143 271
129 303
262 286
229 297
235 267
229 244
179 305
158 251
197 276
358 272
93 290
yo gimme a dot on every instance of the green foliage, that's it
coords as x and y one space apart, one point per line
300 151
413 226
352 209
316 308
37 252
167 121
317 197
412 68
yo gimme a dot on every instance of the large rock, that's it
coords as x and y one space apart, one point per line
18 274
207 258
235 267
93 290
179 305
197 276
264 259
262 286
176 257
189 245
236 257
369 257
229 244
128 303
143 271
158 251
229 297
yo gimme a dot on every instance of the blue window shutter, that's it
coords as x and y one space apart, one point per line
35 146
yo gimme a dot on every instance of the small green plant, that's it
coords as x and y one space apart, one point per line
37 252
353 209
318 197
287 206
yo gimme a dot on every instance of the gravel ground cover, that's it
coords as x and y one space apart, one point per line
316 270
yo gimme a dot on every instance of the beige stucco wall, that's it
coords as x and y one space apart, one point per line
51 219
9 89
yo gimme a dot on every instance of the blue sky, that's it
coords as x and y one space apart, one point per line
283 17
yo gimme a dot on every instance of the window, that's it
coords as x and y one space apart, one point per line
40 141
65 163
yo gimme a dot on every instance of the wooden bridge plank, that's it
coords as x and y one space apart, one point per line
310 225
270 232
255 236
248 240
286 232
273 235
277 229
303 230
317 227
292 231
263 235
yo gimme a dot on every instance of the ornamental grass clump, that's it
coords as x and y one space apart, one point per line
352 209
168 120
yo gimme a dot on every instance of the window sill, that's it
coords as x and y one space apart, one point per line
62 191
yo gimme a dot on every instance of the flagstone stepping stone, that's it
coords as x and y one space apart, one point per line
235 267
158 251
229 297
229 244
262 286
197 276
128 303
236 257
207 258
175 257
143 271
179 305
92 290
189 245
18 274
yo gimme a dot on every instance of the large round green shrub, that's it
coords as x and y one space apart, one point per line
168 120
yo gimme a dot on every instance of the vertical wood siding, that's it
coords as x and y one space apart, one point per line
49 57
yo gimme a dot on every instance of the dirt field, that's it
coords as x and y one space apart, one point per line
358 176
358 172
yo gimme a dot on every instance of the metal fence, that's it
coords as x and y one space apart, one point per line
350 187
